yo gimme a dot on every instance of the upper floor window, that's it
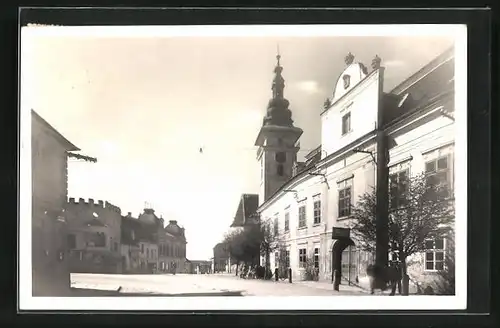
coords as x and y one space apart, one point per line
345 195
398 187
346 123
438 172
317 209
276 224
434 254
302 214
287 220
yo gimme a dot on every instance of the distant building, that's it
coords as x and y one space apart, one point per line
199 267
246 215
49 154
130 247
149 247
174 251
94 236
221 258
148 240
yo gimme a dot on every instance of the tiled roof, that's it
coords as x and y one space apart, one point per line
248 205
441 63
68 145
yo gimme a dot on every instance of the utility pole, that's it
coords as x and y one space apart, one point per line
382 203
382 184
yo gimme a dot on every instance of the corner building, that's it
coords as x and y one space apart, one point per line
304 201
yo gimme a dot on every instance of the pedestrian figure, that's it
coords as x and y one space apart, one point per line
383 277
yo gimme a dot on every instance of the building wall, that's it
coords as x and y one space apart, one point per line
279 141
78 213
420 141
148 256
362 103
221 258
49 183
173 251
131 258
86 257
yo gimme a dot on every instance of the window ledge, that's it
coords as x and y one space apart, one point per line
343 218
317 224
302 228
346 134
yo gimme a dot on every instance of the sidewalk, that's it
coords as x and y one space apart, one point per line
327 285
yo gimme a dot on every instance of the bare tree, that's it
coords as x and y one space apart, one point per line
269 240
254 239
242 247
420 209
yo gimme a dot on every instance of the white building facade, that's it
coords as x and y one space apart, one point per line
318 195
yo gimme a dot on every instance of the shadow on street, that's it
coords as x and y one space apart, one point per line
75 292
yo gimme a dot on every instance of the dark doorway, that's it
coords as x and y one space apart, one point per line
337 249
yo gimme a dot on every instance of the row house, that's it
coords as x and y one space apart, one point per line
150 246
304 201
94 236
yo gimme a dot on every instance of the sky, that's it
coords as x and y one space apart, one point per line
144 106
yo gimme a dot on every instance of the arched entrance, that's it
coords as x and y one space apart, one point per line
338 248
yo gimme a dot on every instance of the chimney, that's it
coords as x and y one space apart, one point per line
101 203
129 214
173 222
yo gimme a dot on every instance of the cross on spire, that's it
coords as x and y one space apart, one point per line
278 81
278 56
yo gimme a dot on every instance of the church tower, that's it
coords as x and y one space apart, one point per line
277 140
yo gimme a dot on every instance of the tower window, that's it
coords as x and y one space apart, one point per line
281 157
280 170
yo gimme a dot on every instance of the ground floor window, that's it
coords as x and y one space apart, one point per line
276 259
316 258
302 258
434 254
287 259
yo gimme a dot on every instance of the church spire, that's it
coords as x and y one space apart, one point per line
277 109
278 81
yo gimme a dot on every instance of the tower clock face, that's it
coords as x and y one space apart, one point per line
281 157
